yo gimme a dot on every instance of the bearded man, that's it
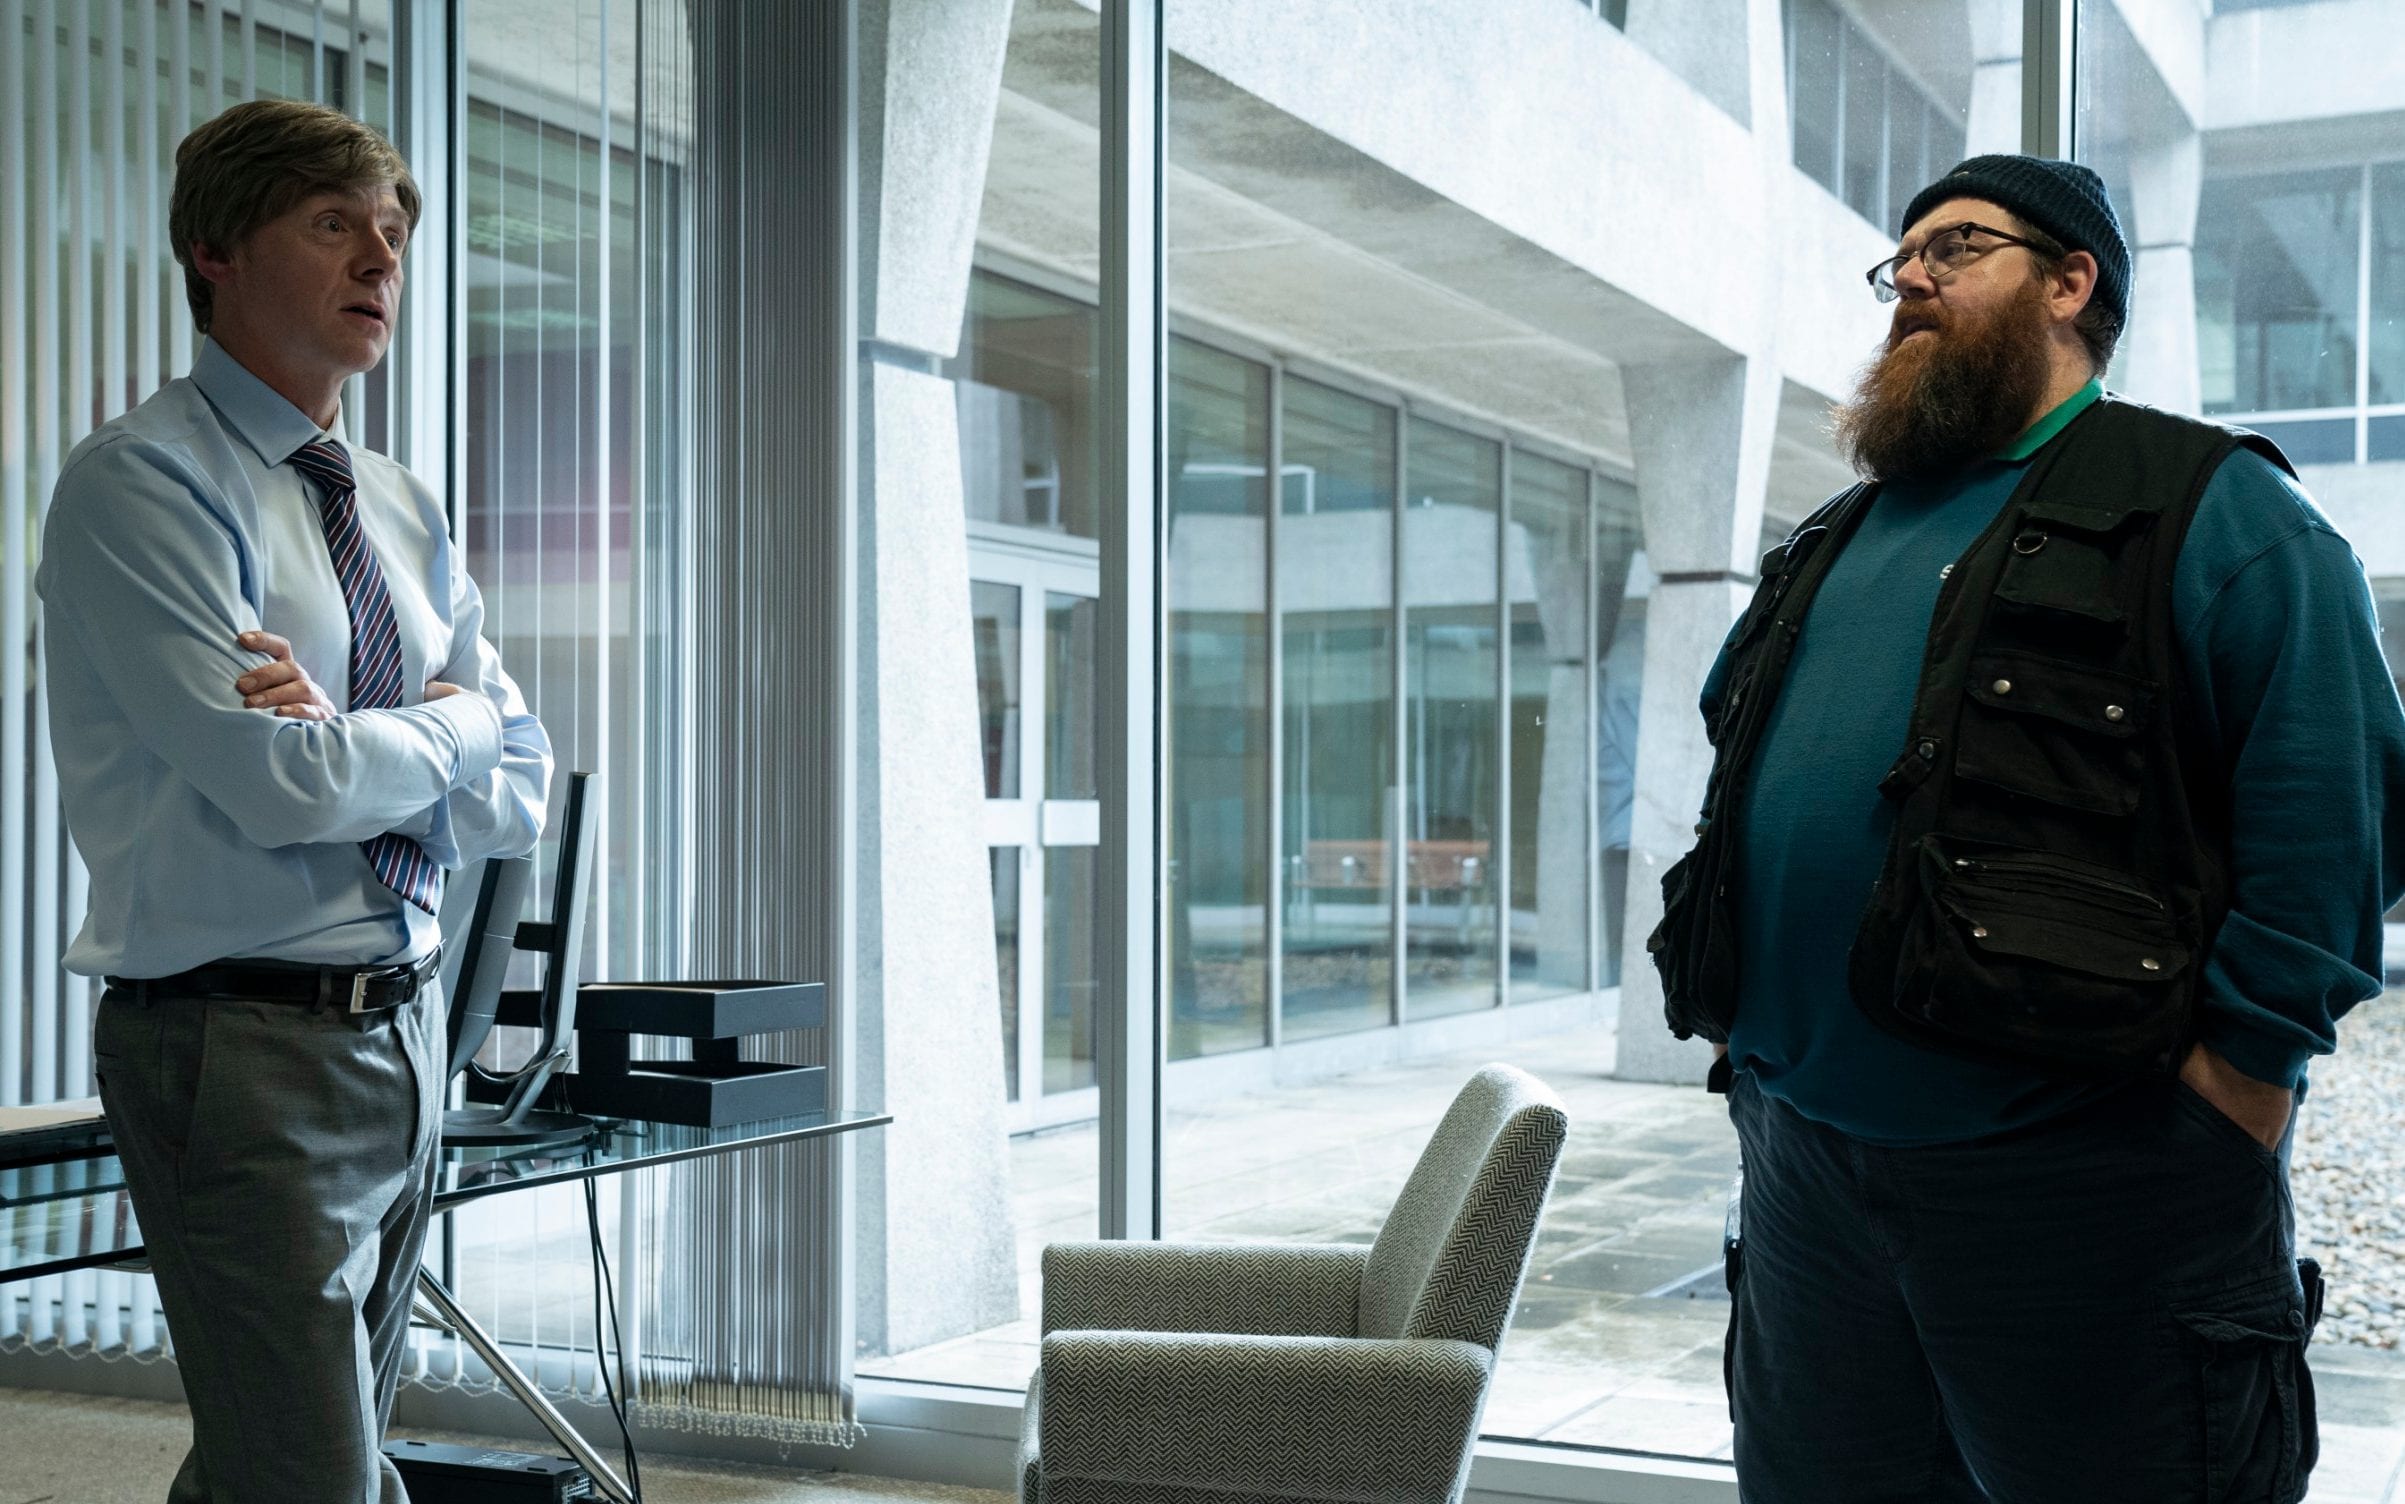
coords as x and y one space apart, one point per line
2049 834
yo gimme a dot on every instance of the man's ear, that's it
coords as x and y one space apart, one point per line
2074 285
213 268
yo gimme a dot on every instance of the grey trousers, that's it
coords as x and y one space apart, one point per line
280 1160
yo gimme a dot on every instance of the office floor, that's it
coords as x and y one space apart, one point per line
73 1449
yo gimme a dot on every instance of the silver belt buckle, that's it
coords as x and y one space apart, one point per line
359 981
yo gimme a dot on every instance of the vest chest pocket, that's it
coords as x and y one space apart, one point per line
2062 732
2075 559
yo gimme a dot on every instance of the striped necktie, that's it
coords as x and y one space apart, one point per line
376 676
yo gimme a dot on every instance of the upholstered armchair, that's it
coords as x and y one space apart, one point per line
1209 1373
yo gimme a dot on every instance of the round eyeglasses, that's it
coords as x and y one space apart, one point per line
1947 252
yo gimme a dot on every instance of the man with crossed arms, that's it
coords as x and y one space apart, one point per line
276 724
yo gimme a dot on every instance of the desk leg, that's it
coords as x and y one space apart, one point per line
451 1316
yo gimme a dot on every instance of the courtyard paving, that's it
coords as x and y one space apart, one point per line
1598 1354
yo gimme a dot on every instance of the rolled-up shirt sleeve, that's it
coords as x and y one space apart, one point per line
142 587
2285 661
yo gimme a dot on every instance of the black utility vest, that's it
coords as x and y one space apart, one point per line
2060 861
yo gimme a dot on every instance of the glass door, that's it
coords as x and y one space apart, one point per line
1034 611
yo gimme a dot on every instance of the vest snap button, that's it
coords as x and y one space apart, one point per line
1979 932
2150 963
2114 713
1928 750
2002 686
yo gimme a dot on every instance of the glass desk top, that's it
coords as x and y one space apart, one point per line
74 1213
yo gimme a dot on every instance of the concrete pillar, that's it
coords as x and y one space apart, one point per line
936 1246
2157 360
1560 560
1701 434
1995 116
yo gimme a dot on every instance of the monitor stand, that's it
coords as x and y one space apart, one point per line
491 1127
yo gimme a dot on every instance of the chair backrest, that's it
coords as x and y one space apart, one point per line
1450 1259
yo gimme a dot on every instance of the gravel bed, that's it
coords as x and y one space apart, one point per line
2348 1173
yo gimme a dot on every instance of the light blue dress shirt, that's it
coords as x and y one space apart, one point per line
213 831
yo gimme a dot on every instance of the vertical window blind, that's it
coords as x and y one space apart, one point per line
570 444
94 97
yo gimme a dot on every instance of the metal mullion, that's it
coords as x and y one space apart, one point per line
420 98
2363 318
1274 636
1035 863
181 335
213 17
1590 655
16 368
2050 78
250 49
1398 801
49 326
1128 1044
153 268
1500 883
601 488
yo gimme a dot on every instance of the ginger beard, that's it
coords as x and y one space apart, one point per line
1927 406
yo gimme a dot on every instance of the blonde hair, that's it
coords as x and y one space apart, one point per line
251 164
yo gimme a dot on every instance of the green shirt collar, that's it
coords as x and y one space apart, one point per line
2053 423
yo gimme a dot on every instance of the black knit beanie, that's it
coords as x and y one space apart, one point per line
2061 199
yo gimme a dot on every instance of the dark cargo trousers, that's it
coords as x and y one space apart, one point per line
2103 1307
280 1160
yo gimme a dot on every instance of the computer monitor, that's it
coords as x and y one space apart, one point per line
483 928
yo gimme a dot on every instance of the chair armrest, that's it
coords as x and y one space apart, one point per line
1283 1289
1383 1421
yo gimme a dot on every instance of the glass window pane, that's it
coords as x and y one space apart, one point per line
2276 266
1547 577
1336 619
994 613
2387 333
1024 384
1813 61
1451 770
1006 958
1070 978
1865 128
1218 697
1069 626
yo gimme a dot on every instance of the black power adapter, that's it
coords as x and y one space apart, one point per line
440 1474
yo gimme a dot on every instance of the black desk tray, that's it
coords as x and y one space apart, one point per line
714 1089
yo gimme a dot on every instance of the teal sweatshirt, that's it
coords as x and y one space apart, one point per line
2275 622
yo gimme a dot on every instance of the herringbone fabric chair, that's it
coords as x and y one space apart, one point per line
1283 1374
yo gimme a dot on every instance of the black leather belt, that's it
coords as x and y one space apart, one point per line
354 989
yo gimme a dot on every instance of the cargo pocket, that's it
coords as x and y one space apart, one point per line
2076 559
2057 962
2245 1343
2062 732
